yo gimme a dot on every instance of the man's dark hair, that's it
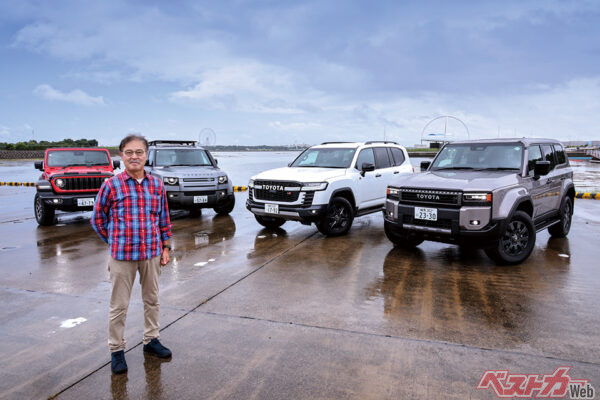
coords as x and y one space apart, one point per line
132 137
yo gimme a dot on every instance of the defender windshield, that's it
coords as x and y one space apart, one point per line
480 156
186 157
325 158
71 158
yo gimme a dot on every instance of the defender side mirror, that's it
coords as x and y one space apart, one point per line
39 165
117 164
147 163
425 165
541 168
366 167
216 162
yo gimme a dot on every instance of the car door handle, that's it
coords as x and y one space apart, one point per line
549 181
377 176
396 172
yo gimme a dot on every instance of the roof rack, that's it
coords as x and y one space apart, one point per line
173 143
380 141
336 142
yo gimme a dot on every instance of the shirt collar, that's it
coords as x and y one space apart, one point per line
126 176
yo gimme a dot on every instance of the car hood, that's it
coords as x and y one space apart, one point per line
460 180
181 171
300 174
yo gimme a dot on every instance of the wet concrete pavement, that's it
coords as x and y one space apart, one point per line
253 313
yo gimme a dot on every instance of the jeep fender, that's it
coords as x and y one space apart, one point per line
511 200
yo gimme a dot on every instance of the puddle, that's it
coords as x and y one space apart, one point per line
71 323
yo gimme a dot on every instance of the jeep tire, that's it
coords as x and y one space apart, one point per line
338 219
517 240
401 239
269 222
561 229
44 214
226 207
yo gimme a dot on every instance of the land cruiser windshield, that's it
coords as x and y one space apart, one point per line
325 158
185 157
71 158
479 156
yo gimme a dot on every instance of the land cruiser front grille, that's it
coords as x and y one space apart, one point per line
277 191
429 196
80 183
440 223
308 199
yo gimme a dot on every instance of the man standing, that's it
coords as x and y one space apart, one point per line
132 216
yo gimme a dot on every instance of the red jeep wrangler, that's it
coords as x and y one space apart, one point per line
70 180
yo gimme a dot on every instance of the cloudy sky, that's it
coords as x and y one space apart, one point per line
285 72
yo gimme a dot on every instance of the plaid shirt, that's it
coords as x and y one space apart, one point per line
132 217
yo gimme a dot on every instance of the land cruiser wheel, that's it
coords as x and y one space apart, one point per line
269 222
405 240
562 229
517 241
226 207
44 215
339 218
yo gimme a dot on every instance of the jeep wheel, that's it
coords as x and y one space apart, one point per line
400 239
561 229
517 241
269 222
44 215
339 218
226 207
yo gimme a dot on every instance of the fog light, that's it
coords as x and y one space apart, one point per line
391 214
55 201
314 211
171 196
474 222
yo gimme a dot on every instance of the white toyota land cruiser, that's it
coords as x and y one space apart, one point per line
329 185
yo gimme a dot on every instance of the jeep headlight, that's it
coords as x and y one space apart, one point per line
223 179
169 180
481 198
311 186
59 182
251 183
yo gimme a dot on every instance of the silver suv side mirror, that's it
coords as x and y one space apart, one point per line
541 168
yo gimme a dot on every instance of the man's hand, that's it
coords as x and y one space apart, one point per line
164 258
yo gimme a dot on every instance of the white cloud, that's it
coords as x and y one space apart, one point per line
4 131
76 96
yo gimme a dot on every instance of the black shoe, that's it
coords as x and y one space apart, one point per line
154 347
117 362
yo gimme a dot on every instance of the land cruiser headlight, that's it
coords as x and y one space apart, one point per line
59 182
392 192
311 186
251 183
171 180
482 198
223 179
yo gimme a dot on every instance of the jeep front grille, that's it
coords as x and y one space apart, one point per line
277 191
429 196
79 183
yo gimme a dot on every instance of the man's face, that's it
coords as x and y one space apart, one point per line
134 156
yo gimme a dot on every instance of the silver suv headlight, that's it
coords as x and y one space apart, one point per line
479 198
312 186
170 180
223 179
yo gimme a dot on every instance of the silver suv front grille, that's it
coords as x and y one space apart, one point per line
430 196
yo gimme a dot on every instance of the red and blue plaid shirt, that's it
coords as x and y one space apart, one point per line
132 217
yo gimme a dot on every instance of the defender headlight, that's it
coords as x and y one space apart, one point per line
223 179
484 198
171 180
311 186
59 182
251 183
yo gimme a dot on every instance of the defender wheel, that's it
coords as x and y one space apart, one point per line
225 208
44 215
401 239
339 218
517 241
269 222
562 229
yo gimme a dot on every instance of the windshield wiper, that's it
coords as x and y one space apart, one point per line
500 169
447 168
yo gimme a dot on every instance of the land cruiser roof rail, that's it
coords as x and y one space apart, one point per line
380 141
173 143
335 142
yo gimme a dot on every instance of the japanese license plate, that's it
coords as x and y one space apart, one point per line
200 199
272 208
85 202
428 214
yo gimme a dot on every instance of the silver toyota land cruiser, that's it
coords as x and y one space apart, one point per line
493 194
191 176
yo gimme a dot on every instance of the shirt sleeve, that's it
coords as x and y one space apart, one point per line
164 222
99 219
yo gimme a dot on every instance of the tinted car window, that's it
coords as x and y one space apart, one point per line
365 156
381 158
549 155
535 154
561 158
398 155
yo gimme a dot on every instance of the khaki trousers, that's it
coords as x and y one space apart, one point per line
122 276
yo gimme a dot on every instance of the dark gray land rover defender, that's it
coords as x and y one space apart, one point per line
492 194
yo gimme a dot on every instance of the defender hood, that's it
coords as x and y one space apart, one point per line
301 174
459 180
186 172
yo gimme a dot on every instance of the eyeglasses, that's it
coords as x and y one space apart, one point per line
130 153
